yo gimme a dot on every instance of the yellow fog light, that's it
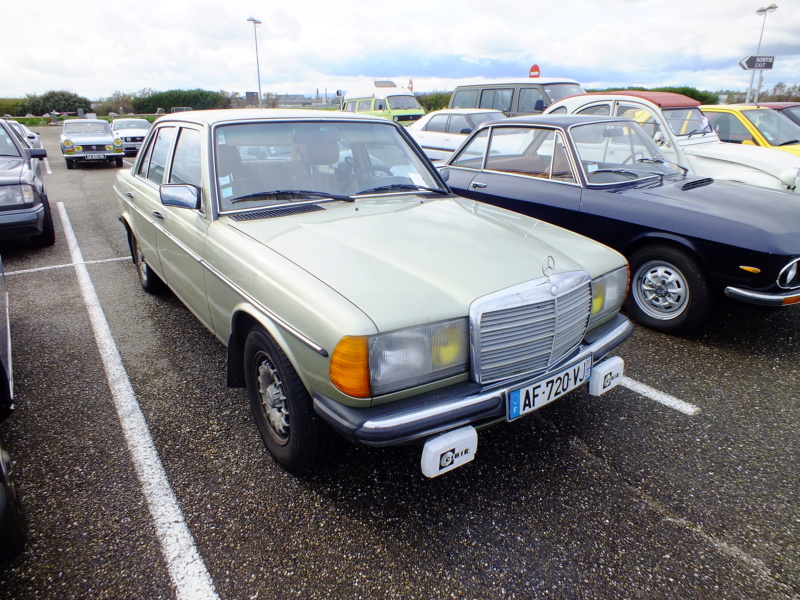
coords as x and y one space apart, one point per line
448 347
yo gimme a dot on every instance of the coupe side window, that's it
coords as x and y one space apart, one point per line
186 161
458 123
728 128
602 110
649 122
529 151
154 163
437 123
472 156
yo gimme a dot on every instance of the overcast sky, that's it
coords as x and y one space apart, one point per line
95 50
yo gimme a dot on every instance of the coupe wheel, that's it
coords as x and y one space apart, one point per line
70 163
669 291
13 529
118 161
282 408
149 280
48 235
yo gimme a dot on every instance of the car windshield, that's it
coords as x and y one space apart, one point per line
618 151
99 128
402 102
268 163
132 124
7 145
777 128
557 91
686 121
794 111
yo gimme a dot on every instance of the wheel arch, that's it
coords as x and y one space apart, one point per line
667 239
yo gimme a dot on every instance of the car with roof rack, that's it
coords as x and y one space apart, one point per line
689 240
684 136
356 295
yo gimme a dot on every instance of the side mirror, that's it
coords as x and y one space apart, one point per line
36 152
444 171
180 196
658 138
539 105
466 131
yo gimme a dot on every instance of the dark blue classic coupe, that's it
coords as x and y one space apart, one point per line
688 239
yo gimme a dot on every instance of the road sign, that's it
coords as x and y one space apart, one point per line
757 63
534 72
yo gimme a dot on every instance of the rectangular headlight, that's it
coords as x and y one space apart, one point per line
13 195
417 355
608 294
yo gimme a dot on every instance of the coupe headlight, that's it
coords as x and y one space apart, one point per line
117 142
375 365
14 195
608 294
67 143
790 275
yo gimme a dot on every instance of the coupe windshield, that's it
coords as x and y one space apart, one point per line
268 163
7 146
777 128
686 121
617 151
99 128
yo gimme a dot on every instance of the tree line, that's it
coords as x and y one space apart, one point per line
147 101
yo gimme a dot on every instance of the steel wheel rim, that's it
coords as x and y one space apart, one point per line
141 264
661 290
272 399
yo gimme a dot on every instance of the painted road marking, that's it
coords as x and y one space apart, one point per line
184 563
661 397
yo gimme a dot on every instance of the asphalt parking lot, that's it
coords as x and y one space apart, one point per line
681 484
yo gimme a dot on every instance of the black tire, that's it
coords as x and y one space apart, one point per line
669 290
118 161
292 432
13 527
151 283
48 235
70 163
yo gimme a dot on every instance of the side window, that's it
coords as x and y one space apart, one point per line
471 157
364 105
186 161
458 123
350 106
437 123
465 99
530 151
729 128
499 99
649 122
155 162
602 110
380 104
527 99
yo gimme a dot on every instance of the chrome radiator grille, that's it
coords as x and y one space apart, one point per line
528 329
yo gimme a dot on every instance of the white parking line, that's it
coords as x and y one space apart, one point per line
47 166
72 264
665 399
185 565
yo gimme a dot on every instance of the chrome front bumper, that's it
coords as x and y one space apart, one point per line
468 403
763 299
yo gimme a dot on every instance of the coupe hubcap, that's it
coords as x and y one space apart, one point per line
661 290
273 398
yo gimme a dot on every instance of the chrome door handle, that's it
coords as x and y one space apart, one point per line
129 194
477 185
158 215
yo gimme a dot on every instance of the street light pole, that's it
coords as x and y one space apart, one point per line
764 10
255 22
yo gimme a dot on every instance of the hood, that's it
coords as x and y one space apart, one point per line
725 212
768 160
11 169
430 258
89 138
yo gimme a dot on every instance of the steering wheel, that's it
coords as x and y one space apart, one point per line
370 169
633 158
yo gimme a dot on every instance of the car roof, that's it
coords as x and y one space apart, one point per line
464 111
555 120
778 105
225 115
732 107
661 99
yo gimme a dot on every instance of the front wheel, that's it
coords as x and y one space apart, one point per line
13 528
147 278
70 163
282 408
118 161
669 291
48 235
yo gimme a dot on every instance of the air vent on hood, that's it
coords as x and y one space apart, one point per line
690 185
271 213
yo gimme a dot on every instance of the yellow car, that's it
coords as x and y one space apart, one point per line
754 125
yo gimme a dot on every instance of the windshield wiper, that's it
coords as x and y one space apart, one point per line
305 193
790 143
404 186
651 160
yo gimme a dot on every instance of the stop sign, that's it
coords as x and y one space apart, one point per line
534 72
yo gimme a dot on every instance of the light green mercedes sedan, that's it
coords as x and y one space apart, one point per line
355 294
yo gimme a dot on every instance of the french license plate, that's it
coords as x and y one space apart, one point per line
535 395
95 156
